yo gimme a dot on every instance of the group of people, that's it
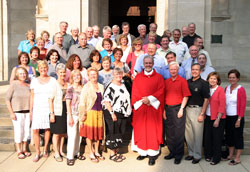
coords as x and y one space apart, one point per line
82 85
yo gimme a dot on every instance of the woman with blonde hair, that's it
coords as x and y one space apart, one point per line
26 45
17 101
90 114
39 107
126 49
132 57
72 101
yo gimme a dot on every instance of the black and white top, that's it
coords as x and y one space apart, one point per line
119 98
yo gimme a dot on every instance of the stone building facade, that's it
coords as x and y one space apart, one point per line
222 23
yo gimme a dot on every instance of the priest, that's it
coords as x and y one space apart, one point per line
148 93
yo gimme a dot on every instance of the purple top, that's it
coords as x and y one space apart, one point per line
98 105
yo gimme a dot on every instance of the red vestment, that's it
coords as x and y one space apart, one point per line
147 121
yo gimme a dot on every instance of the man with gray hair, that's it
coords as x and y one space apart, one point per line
177 93
148 92
189 39
67 38
89 32
142 33
96 37
115 31
106 31
82 49
74 32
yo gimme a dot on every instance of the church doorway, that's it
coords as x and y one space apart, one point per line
134 12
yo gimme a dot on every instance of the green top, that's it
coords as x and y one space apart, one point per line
34 64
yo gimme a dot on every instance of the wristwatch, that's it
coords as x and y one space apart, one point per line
50 113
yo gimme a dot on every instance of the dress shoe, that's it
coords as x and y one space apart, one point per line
195 161
151 161
177 161
141 157
168 157
189 158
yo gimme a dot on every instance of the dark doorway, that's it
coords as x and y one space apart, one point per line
134 12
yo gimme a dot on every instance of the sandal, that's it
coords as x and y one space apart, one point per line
115 158
58 158
208 159
100 157
20 155
226 159
121 156
27 154
70 162
233 162
81 157
63 155
94 159
213 163
36 158
45 154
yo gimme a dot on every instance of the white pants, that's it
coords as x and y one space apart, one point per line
21 127
73 132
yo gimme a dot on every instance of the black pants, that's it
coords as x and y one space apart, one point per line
175 131
213 139
114 128
234 136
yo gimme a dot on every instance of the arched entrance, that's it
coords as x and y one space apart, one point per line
134 11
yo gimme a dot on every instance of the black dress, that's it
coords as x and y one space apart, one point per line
60 124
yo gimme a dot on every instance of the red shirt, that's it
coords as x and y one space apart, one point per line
176 90
218 103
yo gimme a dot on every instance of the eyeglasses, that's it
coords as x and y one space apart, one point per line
137 44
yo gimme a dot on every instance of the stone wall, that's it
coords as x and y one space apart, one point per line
21 17
234 52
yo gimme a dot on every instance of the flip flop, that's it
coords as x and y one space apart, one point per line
100 157
81 157
20 155
36 158
27 154
70 162
233 162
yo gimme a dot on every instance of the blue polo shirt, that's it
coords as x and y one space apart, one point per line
166 74
159 63
25 46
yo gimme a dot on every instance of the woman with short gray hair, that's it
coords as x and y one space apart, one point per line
116 108
57 106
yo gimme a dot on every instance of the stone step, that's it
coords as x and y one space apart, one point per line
246 150
5 122
6 131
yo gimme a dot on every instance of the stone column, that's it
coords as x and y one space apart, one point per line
21 17
99 13
162 15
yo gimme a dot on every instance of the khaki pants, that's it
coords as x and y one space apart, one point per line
194 132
